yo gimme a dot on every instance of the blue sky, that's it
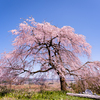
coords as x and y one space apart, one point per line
82 15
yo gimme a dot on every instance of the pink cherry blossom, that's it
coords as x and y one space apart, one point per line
54 49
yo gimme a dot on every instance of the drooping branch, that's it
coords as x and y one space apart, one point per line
37 71
81 66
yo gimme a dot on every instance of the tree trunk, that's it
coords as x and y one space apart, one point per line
63 83
10 85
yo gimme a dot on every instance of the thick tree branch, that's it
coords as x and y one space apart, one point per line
37 71
82 66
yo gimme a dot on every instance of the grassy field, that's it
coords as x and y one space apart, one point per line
35 92
44 95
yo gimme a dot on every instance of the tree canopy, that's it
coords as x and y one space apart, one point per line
54 49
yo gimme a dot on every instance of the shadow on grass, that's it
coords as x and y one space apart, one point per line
4 91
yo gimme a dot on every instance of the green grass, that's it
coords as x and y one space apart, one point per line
44 95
